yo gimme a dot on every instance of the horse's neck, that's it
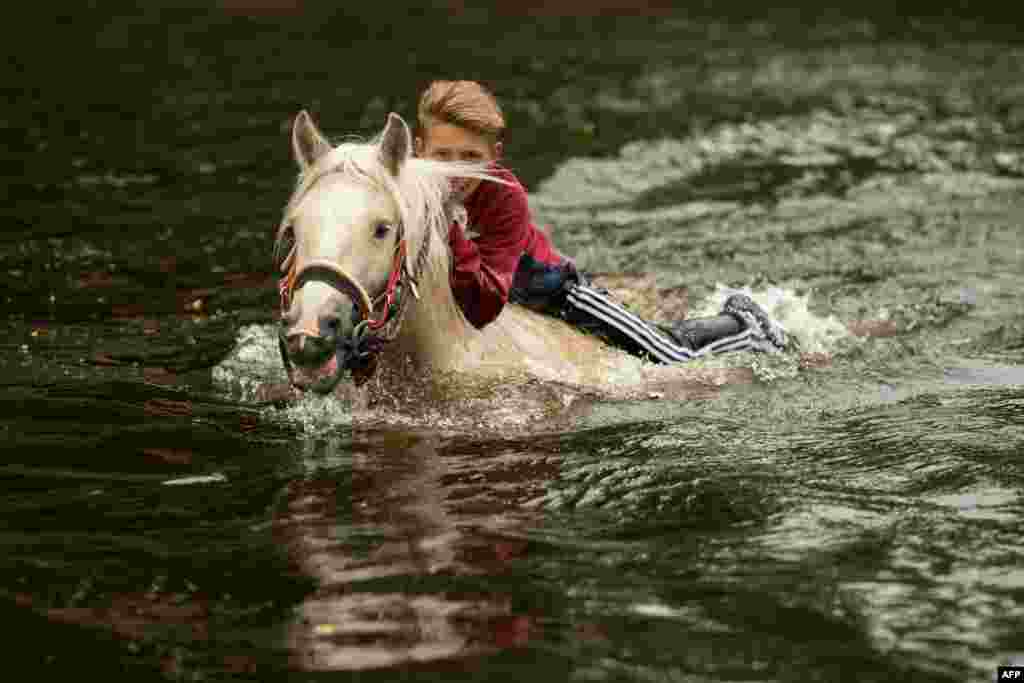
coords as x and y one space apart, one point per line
435 332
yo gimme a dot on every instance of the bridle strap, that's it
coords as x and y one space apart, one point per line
334 276
388 296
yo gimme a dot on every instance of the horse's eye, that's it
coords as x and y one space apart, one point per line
381 230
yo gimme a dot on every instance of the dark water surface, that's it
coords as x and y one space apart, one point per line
852 519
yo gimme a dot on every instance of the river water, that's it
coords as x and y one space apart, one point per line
852 514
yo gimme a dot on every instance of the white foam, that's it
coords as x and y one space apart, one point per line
254 362
215 478
316 414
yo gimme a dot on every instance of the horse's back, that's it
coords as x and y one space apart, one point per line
551 349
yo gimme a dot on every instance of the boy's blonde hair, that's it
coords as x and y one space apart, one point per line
466 104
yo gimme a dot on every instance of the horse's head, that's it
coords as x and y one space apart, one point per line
345 223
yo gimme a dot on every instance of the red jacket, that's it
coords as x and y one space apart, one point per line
484 267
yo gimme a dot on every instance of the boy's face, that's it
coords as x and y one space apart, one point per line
447 142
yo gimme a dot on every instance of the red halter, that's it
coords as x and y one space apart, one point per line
345 282
398 270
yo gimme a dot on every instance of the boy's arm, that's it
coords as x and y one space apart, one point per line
484 268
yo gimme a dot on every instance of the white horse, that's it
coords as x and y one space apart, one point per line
368 223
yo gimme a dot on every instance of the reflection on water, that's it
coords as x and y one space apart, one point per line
373 531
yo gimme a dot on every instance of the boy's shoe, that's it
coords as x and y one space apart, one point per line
696 333
755 317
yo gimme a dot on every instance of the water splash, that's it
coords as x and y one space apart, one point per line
254 362
317 415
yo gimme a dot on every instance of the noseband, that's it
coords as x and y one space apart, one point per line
380 318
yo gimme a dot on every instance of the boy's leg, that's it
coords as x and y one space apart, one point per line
594 310
598 315
739 312
561 290
742 326
772 336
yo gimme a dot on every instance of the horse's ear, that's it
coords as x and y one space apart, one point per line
308 143
395 143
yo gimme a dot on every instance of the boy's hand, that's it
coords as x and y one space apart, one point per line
540 285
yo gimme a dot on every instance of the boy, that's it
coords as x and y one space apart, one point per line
510 259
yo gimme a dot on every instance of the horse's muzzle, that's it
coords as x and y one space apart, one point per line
311 360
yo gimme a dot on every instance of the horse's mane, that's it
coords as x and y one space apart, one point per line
421 191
